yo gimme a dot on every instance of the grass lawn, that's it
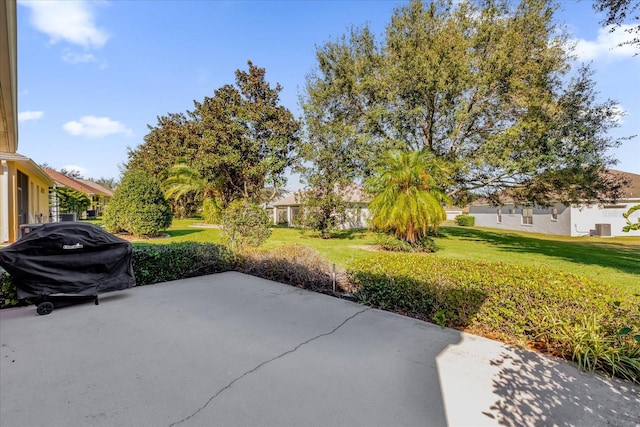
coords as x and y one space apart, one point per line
612 260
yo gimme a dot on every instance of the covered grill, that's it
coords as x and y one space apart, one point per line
63 261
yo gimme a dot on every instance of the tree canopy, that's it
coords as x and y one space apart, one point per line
238 141
485 87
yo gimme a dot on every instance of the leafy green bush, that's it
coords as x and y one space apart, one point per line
244 224
295 265
211 212
465 220
392 243
72 201
8 297
161 263
526 306
138 206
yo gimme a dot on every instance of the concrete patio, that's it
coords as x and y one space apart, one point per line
235 350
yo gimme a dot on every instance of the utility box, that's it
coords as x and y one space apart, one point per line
64 217
25 229
603 230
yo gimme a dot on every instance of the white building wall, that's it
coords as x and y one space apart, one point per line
543 221
576 220
585 218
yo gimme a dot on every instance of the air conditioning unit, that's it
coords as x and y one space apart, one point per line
603 230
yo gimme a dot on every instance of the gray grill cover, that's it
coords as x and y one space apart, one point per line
70 258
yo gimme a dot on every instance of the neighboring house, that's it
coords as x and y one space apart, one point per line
574 220
98 194
453 211
286 209
99 197
24 187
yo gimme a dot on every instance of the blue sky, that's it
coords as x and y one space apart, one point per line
93 75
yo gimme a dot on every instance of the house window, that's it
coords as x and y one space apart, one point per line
554 214
499 212
527 216
512 211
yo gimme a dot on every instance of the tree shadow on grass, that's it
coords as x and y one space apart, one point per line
349 234
182 232
619 258
536 390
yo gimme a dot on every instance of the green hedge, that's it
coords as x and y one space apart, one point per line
162 263
465 220
525 306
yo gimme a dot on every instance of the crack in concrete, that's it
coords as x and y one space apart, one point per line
228 386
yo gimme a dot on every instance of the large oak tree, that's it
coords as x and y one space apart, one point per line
486 87
239 141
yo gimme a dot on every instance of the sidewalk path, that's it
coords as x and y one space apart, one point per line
235 350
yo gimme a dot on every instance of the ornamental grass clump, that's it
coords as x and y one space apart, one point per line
591 323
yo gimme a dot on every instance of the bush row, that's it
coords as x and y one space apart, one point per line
590 323
295 265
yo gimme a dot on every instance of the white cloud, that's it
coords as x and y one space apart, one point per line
70 21
30 115
96 127
606 45
81 170
77 58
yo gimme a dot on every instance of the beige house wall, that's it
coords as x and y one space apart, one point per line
37 210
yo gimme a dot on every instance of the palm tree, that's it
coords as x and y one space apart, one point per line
184 180
409 194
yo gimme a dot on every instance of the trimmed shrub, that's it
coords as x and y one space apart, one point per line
465 220
161 263
295 265
138 206
245 224
521 305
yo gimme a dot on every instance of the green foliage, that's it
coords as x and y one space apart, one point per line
597 343
322 209
8 296
295 265
465 220
72 201
516 304
487 87
631 225
211 211
138 206
393 244
237 142
408 195
245 224
175 261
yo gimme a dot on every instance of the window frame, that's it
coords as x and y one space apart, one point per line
527 219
